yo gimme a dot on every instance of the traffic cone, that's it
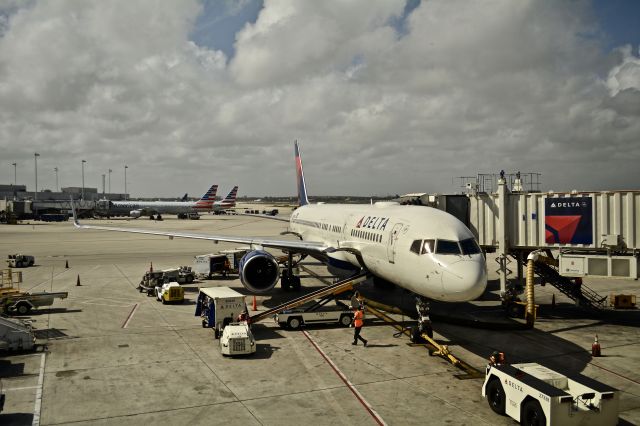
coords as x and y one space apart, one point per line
78 281
595 347
66 265
255 304
553 300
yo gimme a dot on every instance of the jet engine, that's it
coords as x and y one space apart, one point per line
135 213
259 271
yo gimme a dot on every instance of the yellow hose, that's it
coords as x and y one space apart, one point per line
530 315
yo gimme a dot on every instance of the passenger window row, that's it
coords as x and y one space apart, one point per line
366 235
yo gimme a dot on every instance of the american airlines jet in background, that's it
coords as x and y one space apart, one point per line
136 209
227 202
421 249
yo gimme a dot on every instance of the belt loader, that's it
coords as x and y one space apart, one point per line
16 335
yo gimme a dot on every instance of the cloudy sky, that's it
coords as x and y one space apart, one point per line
384 96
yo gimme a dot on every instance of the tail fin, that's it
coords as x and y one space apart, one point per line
230 199
210 195
302 187
184 197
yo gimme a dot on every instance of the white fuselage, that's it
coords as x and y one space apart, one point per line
163 207
417 248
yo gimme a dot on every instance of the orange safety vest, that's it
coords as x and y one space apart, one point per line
357 319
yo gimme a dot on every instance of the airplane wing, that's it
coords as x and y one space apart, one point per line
314 249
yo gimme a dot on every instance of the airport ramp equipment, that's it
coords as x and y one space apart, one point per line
581 294
23 303
334 289
16 334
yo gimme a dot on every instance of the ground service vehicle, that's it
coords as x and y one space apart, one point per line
315 313
206 265
192 216
170 293
22 303
237 339
218 307
20 260
533 394
153 279
224 263
54 217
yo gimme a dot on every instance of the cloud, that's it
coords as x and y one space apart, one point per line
382 103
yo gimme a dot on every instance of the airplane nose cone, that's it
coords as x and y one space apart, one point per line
466 280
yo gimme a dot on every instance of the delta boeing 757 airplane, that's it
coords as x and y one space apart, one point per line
421 249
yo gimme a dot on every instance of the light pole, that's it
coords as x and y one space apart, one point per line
15 173
55 169
35 157
103 185
110 180
83 161
125 181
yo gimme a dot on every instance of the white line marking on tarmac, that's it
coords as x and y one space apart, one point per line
22 388
346 381
133 311
36 409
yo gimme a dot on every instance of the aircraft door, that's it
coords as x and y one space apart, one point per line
393 237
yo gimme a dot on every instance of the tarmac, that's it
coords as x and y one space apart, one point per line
109 354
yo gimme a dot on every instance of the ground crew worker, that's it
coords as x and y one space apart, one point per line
358 322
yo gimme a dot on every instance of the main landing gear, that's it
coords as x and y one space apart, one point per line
424 322
288 280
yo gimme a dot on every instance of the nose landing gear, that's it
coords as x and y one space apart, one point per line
424 322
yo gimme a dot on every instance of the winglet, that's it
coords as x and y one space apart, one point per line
75 215
302 187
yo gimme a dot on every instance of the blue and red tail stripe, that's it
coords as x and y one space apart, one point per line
210 194
232 195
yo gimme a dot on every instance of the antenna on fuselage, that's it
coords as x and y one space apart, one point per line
302 187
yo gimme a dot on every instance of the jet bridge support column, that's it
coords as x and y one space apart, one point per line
501 232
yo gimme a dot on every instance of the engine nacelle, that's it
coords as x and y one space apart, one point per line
135 213
259 271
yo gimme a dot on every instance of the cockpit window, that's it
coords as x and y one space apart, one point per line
428 246
415 246
447 247
469 246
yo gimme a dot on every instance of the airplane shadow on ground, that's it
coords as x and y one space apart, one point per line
16 419
53 311
9 369
50 333
484 329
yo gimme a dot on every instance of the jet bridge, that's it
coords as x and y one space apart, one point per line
590 233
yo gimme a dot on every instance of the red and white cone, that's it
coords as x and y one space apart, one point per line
595 348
